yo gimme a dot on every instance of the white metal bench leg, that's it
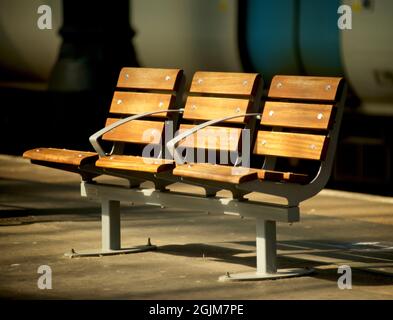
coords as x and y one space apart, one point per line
110 233
266 246
266 251
110 225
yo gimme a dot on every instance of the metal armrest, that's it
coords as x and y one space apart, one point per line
171 145
94 138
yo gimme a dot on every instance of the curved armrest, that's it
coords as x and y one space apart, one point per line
94 138
171 145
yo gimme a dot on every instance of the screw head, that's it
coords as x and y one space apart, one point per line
271 112
199 81
237 110
161 104
319 116
193 107
119 101
245 82
126 75
312 147
167 78
328 87
264 142
279 85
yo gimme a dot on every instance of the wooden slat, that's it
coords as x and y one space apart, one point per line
224 83
308 88
140 102
218 173
296 115
133 163
207 108
137 131
214 138
283 176
292 145
149 78
64 156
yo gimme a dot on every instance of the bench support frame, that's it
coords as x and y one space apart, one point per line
111 234
266 249
266 215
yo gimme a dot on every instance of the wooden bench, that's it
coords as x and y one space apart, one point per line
300 119
146 100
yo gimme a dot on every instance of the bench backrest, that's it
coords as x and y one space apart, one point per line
215 95
298 118
141 90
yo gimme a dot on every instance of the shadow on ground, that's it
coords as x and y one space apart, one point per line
323 270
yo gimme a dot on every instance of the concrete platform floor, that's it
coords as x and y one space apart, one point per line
42 216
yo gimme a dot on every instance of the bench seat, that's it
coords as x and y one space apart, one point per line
62 156
145 105
215 172
232 175
135 163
